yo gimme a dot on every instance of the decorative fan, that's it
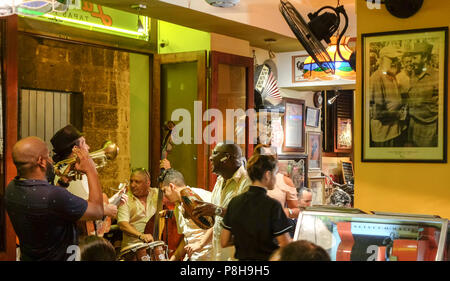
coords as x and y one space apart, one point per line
322 26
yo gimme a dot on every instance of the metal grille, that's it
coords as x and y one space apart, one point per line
42 113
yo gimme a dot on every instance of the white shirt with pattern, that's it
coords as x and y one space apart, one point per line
222 194
193 233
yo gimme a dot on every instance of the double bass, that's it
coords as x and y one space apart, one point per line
163 225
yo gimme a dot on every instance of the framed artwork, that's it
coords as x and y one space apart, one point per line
298 63
314 143
295 167
404 99
312 117
294 125
317 186
344 134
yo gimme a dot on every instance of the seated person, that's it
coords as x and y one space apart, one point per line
133 216
197 241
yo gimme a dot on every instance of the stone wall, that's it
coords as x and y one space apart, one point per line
102 76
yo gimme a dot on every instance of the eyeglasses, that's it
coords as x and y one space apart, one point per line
140 169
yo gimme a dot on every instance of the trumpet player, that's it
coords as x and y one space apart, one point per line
63 143
43 215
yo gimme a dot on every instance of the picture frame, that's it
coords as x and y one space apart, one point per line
297 68
314 145
294 125
295 166
317 187
312 117
344 133
404 96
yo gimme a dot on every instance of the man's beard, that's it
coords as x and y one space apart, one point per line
49 173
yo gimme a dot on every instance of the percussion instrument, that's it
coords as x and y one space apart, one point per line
158 251
189 201
154 251
135 252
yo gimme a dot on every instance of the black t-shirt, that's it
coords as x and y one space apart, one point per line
255 219
43 216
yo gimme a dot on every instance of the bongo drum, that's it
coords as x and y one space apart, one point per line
158 251
135 252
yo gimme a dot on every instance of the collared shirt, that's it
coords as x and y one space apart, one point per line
222 194
255 219
43 216
386 104
135 213
193 233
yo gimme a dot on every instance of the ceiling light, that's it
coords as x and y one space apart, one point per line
222 3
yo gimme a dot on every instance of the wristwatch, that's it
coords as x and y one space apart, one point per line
218 211
290 211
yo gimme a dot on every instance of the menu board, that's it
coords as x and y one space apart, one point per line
347 171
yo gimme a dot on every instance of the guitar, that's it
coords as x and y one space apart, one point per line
100 227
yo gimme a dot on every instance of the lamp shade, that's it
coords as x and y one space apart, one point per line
342 68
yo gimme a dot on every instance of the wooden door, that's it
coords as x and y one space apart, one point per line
232 88
9 113
179 80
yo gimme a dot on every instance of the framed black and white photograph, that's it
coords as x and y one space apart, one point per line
404 111
312 117
298 63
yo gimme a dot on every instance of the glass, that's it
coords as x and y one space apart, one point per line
350 235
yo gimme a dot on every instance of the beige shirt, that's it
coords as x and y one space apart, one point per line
135 213
222 194
282 192
193 233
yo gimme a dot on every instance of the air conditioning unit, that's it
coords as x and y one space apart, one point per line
222 3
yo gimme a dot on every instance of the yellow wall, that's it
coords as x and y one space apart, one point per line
418 188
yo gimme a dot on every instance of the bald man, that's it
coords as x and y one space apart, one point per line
232 180
44 215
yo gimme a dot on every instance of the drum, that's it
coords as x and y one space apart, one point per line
158 251
135 252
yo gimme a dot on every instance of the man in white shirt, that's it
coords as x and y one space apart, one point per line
141 206
226 161
193 243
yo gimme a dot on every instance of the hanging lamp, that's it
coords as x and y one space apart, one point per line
343 70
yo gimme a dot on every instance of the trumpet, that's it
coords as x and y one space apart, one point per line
109 151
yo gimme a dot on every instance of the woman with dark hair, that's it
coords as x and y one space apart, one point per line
255 219
94 248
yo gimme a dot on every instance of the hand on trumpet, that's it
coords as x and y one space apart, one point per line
84 162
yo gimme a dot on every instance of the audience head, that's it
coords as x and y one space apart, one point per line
301 250
94 248
31 158
304 197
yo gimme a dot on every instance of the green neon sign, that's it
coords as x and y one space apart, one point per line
97 18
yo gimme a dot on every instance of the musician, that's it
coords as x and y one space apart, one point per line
44 215
142 202
172 183
63 141
232 180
